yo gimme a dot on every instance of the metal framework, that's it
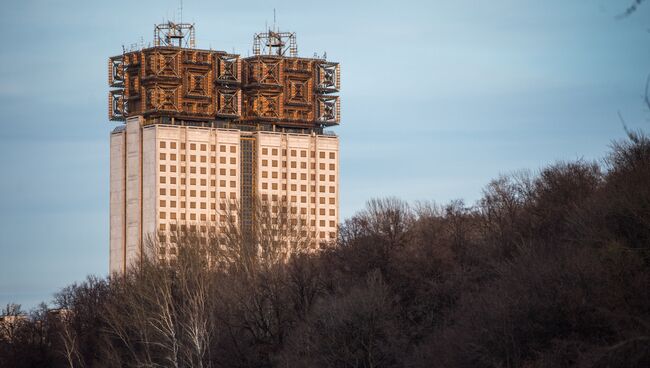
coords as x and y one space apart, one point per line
173 80
174 35
275 43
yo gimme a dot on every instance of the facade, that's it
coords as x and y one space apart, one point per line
207 134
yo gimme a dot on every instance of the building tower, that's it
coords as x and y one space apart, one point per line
207 129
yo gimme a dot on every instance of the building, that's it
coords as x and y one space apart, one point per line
207 134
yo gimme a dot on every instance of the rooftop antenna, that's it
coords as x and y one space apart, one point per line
274 26
181 11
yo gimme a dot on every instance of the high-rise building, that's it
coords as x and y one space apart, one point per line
208 134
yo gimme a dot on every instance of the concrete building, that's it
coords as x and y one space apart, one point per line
207 135
165 176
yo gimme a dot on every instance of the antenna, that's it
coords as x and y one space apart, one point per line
274 27
181 11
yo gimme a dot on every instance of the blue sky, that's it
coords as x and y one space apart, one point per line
449 94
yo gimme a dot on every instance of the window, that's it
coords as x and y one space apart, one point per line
162 191
162 203
162 156
162 180
265 151
322 154
233 149
172 145
332 155
162 168
162 144
193 146
222 148
204 147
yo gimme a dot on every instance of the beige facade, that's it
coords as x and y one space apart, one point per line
164 176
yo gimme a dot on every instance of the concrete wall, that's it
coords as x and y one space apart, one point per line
117 193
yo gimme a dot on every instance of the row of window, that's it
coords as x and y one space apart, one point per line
172 192
202 182
294 187
224 207
303 153
203 159
294 176
201 147
294 164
